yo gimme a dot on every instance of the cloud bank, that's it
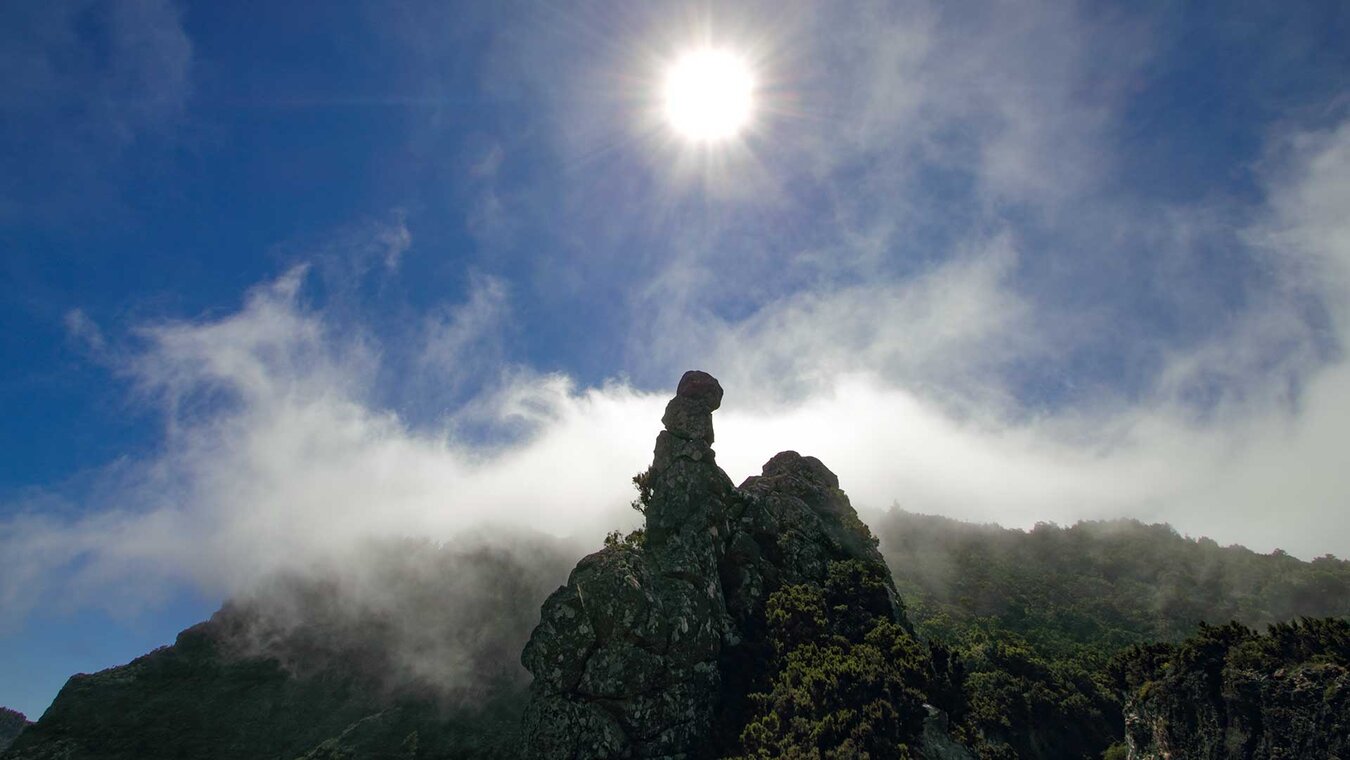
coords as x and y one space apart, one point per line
274 456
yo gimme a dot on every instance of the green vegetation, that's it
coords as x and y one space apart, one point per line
1090 590
643 483
1230 692
1038 617
848 681
1310 642
633 540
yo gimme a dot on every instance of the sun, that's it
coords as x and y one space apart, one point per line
709 95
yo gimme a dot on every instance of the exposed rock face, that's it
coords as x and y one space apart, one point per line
1228 692
648 651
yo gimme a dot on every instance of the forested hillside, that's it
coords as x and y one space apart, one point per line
1038 616
1229 692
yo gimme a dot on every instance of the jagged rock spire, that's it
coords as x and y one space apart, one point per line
688 490
689 414
650 649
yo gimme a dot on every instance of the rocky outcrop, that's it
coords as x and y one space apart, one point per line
1228 692
656 642
687 639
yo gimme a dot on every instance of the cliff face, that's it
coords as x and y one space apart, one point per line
1228 692
657 642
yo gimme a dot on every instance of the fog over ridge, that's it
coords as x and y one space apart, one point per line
275 455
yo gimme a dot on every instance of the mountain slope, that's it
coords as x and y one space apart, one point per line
411 656
1039 617
11 723
1096 587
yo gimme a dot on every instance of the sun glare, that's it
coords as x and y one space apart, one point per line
709 95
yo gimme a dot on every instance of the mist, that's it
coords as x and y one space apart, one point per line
280 450
408 617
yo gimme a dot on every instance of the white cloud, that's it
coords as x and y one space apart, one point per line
1238 438
278 452
139 82
461 343
943 330
1308 227
82 84
273 457
84 330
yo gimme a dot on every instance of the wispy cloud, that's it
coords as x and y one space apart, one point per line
947 331
85 331
273 457
80 83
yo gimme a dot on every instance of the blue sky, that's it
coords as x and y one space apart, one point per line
279 278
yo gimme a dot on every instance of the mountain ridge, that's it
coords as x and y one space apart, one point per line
800 630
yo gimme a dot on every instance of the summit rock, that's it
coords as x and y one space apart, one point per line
656 643
689 415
